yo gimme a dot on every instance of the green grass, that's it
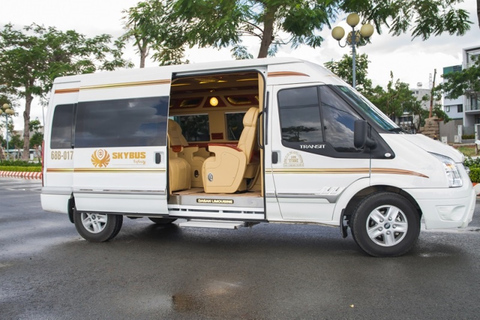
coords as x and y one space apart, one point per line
467 151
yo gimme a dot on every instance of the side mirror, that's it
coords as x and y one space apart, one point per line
360 135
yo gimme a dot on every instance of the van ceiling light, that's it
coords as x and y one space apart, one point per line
239 100
213 101
210 80
180 84
247 79
190 103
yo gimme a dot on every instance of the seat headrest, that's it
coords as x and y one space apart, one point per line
175 134
250 118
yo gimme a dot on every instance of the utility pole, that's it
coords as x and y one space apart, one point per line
431 93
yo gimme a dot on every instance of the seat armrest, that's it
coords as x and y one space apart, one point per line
188 151
221 146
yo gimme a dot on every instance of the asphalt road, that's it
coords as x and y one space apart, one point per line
47 271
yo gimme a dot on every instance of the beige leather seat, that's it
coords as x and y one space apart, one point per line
179 170
228 169
179 144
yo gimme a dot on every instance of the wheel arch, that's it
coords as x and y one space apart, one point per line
359 195
349 200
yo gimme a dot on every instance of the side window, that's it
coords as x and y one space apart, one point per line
300 116
62 126
234 125
122 123
194 127
338 121
317 120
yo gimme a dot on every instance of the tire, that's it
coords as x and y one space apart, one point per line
162 221
385 224
96 227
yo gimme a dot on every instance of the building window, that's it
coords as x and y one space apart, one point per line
460 108
447 109
473 103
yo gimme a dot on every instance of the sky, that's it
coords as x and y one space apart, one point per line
411 61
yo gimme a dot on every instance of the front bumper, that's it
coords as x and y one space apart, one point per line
450 208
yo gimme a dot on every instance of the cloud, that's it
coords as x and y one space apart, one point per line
410 60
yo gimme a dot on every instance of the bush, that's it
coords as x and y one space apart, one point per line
468 136
472 163
20 166
18 163
475 175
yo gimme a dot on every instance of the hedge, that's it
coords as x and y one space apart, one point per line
18 163
475 175
21 168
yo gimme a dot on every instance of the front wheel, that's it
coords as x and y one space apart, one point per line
97 227
385 224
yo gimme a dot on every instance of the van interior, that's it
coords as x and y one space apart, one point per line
214 137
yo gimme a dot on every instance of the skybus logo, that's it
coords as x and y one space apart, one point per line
100 158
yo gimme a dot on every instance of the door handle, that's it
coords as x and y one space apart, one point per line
274 157
158 157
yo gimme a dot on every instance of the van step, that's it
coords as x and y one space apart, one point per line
217 224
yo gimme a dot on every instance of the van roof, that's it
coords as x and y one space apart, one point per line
203 66
165 72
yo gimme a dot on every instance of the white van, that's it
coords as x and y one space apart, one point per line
230 144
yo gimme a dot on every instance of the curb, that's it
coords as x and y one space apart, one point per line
476 187
23 175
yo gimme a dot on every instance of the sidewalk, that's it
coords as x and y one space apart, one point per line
24 175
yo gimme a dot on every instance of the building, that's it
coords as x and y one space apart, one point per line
419 93
453 107
464 111
471 102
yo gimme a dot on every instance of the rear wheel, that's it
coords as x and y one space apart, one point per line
163 221
385 224
97 227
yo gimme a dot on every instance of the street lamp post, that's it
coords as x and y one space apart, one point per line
5 109
354 38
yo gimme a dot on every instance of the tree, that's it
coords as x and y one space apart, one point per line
30 60
151 28
37 136
220 23
464 82
16 142
343 69
399 99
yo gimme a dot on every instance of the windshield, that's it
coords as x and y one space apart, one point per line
369 109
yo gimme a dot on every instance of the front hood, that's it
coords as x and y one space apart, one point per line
434 146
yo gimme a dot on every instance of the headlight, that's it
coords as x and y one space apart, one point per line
451 171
